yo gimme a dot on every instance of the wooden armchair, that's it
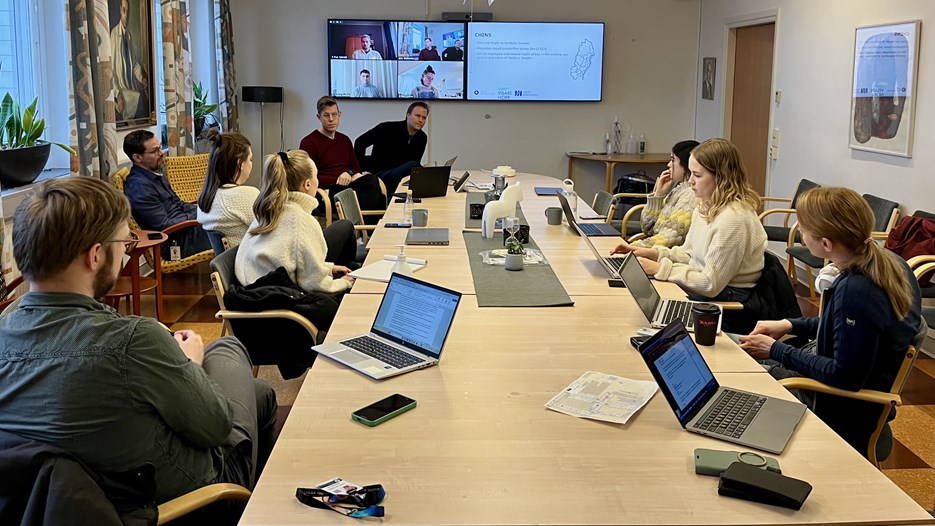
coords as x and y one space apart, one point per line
606 204
186 174
168 266
781 233
201 497
349 208
887 399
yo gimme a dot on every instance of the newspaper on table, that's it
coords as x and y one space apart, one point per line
603 397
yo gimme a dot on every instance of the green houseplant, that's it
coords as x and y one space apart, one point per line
22 154
201 109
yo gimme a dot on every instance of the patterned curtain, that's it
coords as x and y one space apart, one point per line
177 64
91 100
227 79
6 254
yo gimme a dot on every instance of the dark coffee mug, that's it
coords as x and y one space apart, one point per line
522 235
705 317
477 210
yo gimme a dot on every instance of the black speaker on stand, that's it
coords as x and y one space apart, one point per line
263 95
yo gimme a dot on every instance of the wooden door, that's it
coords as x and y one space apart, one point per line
752 93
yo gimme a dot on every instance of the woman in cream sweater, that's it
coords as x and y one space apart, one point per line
284 233
226 204
722 257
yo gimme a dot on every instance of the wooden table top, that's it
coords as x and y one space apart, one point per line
481 448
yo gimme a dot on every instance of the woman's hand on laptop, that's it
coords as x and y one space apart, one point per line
650 267
641 252
757 345
774 329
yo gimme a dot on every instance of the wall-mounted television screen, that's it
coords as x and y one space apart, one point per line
535 61
395 59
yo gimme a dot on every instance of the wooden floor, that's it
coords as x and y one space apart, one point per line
190 304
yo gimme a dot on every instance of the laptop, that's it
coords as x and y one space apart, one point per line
659 312
428 181
451 162
588 229
461 184
427 236
408 333
611 264
702 406
548 190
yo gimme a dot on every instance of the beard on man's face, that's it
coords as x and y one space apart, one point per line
106 277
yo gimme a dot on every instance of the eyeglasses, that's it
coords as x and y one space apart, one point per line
128 244
155 151
331 115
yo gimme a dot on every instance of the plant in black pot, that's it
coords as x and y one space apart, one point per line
203 112
22 154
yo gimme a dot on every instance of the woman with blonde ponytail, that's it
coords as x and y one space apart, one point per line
284 233
870 315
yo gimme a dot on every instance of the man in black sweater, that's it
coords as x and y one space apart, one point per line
397 146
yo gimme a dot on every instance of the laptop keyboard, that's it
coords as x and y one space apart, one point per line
731 413
589 229
615 263
678 310
376 349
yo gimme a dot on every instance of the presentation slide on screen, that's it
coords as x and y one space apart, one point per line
541 61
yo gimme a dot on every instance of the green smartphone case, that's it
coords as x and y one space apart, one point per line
713 462
374 423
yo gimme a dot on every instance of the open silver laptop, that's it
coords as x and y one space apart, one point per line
611 264
588 229
659 312
408 333
703 406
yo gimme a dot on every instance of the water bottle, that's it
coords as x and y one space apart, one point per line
402 264
608 147
569 192
642 144
407 209
631 144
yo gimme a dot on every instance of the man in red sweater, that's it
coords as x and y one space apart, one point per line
333 154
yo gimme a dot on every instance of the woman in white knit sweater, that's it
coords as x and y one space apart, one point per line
225 205
284 233
722 257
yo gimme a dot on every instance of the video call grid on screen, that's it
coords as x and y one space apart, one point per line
535 61
389 59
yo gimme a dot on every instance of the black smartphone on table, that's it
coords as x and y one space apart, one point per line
397 225
379 412
154 235
403 200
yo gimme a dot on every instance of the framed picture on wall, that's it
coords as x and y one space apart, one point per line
883 96
708 66
131 44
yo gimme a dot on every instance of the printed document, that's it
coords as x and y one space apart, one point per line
603 397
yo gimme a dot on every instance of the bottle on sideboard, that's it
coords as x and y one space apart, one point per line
631 144
642 144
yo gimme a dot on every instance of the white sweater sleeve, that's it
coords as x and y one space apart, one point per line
312 272
729 243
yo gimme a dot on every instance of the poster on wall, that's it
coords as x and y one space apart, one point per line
886 59
131 47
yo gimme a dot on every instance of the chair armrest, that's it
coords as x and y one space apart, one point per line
866 395
365 227
372 212
636 237
323 197
269 314
777 199
792 231
201 497
915 261
924 269
181 226
879 236
787 211
627 194
728 305
626 219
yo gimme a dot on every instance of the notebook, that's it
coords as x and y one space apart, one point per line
611 264
427 236
408 333
702 406
659 312
588 229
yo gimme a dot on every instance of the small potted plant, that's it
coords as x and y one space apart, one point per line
514 247
202 110
22 154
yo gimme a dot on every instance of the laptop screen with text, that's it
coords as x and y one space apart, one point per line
416 314
681 371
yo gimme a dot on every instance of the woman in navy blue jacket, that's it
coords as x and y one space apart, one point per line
871 314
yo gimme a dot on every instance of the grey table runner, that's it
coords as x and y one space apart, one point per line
534 286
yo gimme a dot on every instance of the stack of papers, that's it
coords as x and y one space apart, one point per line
603 397
383 269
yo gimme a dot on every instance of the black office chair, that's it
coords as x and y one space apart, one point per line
781 233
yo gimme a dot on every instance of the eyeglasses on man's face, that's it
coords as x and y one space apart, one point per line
128 244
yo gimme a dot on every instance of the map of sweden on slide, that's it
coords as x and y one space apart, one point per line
582 60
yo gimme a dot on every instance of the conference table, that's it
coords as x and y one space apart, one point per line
481 448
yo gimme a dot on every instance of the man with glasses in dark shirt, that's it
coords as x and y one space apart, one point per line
119 392
154 203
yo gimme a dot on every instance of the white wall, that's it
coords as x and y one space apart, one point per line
649 80
814 64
